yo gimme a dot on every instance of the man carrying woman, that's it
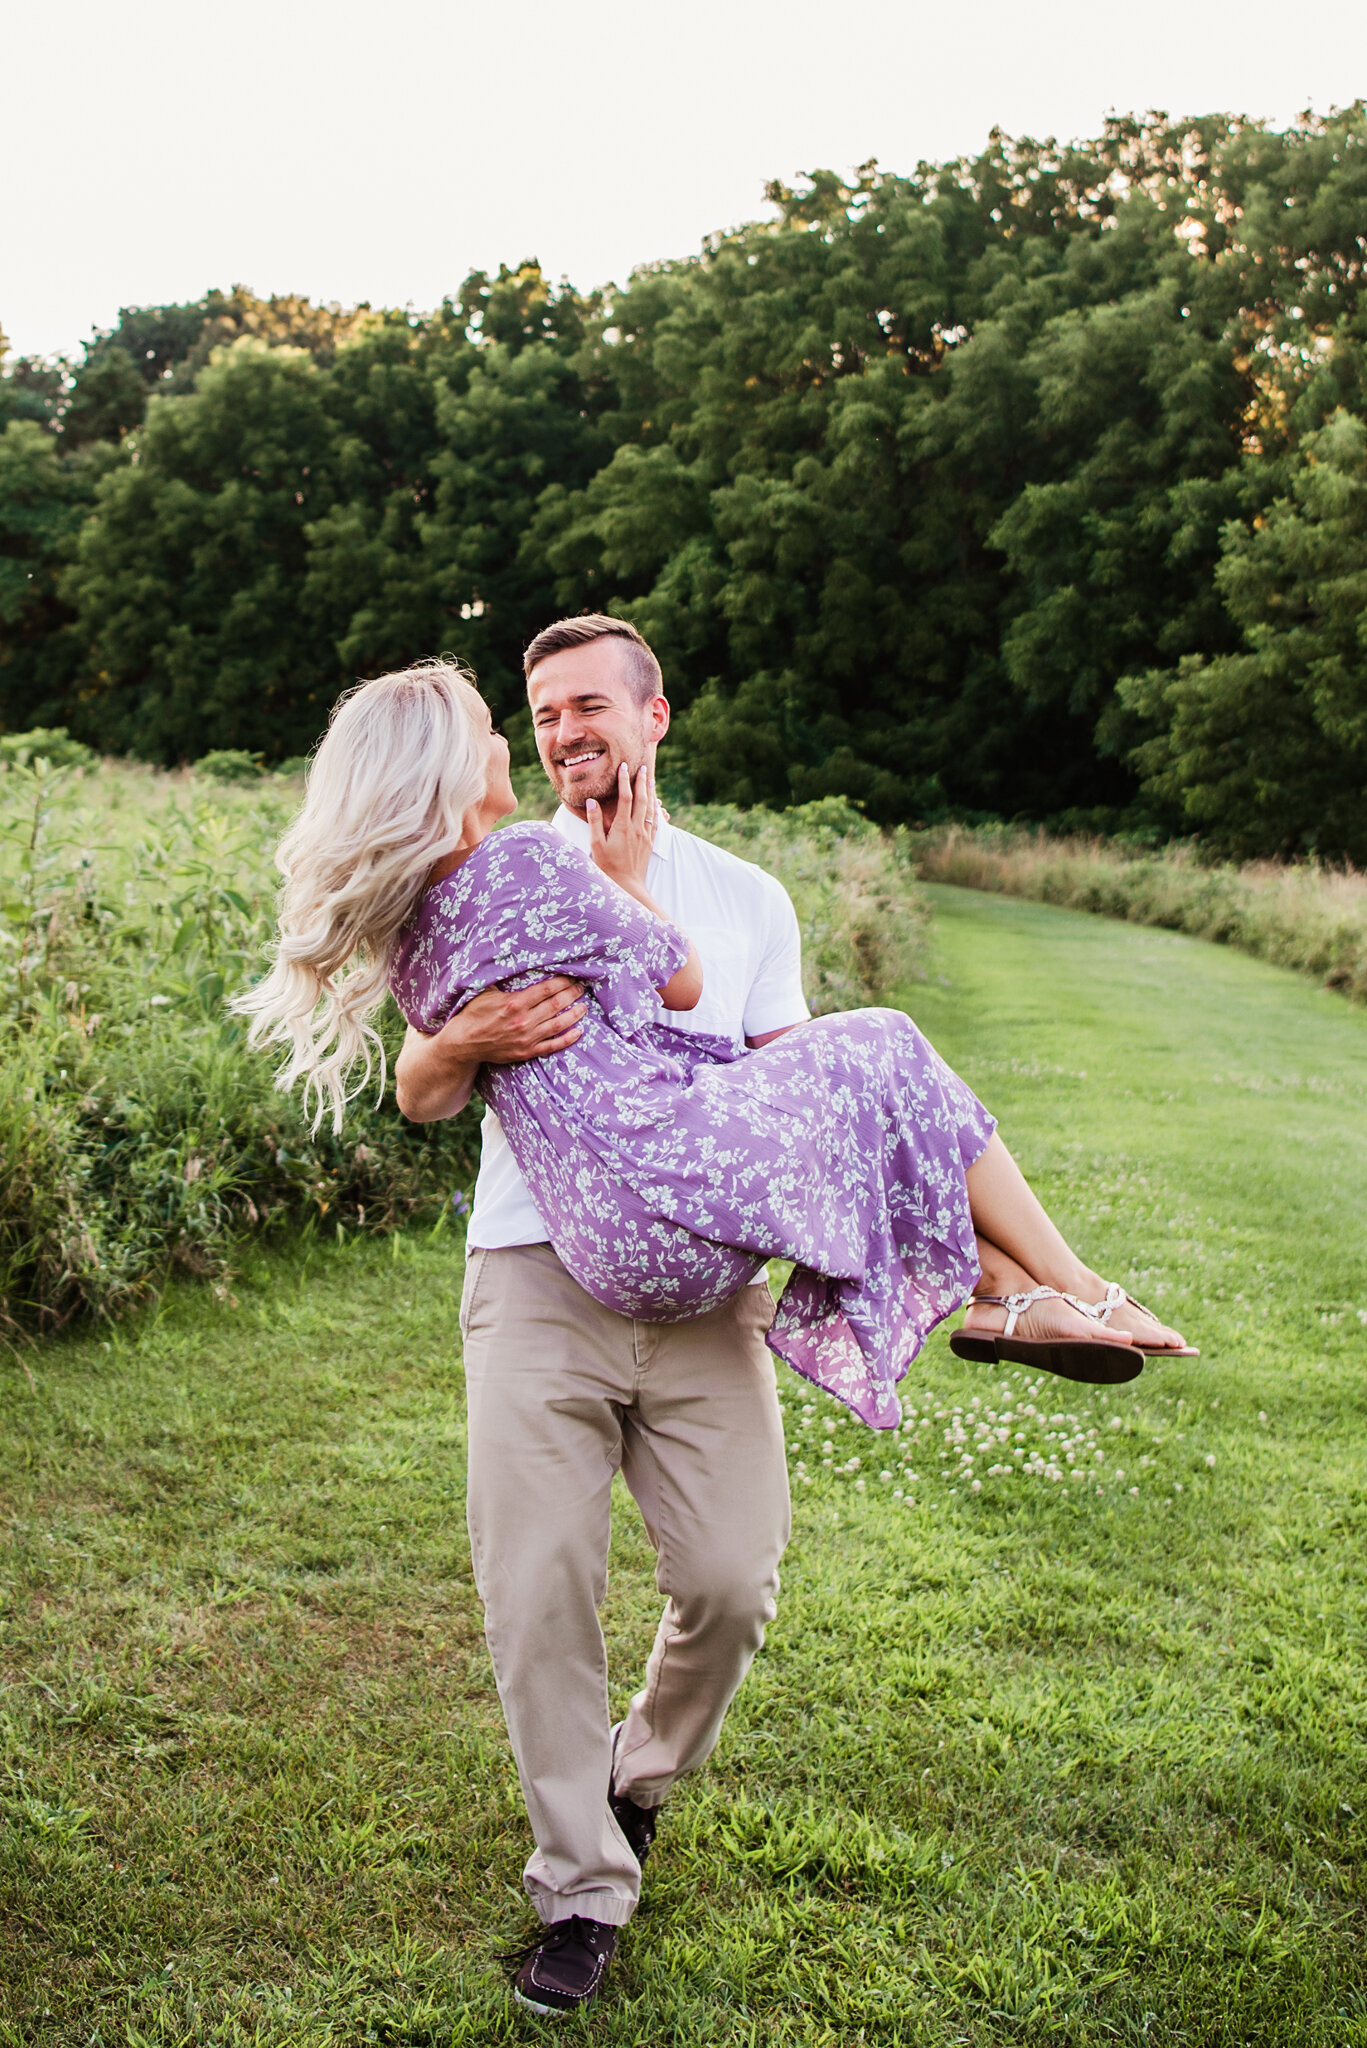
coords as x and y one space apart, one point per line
667 1119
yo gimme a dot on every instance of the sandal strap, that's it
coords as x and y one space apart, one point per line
1102 1311
1016 1304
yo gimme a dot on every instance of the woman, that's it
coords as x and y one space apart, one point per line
666 1165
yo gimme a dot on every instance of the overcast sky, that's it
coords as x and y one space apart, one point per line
150 151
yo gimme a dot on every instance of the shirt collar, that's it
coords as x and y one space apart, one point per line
576 831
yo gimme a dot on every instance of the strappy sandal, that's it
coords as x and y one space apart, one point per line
1116 1297
1090 1360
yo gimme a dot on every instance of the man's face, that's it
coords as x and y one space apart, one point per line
587 721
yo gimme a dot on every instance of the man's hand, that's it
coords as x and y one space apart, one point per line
434 1077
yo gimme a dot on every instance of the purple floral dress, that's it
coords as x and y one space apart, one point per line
667 1166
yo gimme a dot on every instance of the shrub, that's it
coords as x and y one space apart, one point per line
863 921
136 1130
52 744
229 764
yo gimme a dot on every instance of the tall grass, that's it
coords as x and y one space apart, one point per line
1309 918
138 1133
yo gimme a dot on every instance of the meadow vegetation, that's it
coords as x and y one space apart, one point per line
136 1131
1304 916
1044 1753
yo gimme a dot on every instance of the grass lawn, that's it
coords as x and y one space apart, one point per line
1071 1751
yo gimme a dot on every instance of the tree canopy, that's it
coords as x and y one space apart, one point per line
1028 484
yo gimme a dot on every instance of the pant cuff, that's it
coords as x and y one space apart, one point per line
609 1907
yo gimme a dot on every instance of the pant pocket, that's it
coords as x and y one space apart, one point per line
469 1293
755 1306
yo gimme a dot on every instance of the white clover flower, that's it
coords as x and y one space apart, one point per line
1262 1415
1117 1422
1210 1458
977 1486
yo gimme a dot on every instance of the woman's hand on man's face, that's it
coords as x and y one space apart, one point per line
623 849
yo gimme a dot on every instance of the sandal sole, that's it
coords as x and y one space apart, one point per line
1090 1364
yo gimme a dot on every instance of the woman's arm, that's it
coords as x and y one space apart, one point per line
622 852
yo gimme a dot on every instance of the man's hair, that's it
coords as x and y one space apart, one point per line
642 669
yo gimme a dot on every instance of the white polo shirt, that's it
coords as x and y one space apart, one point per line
746 933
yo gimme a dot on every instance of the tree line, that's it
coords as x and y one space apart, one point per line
1031 484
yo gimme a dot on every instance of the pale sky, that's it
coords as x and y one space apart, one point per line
150 151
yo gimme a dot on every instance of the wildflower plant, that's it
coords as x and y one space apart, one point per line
1019 1436
137 1131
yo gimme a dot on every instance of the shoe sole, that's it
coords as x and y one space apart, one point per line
548 2012
1091 1364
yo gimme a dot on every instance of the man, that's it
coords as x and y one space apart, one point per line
562 1393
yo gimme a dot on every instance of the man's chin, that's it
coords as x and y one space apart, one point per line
575 791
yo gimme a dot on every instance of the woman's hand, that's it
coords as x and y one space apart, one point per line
623 855
623 849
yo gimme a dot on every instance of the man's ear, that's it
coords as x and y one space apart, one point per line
658 719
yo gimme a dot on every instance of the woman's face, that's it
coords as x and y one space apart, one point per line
499 799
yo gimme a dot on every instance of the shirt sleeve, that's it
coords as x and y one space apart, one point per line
775 1000
531 908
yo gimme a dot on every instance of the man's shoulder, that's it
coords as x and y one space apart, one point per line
720 862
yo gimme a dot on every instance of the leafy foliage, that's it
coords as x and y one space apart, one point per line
137 1133
1266 748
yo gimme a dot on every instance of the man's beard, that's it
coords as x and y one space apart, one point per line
600 783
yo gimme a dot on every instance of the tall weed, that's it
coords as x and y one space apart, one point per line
1306 917
138 1133
136 1130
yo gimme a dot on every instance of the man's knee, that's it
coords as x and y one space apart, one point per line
734 1600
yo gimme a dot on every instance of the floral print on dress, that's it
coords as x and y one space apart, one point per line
668 1166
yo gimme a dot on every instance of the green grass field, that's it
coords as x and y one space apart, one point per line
1069 1752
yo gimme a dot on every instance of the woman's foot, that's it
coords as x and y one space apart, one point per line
1119 1316
1039 1329
1050 1319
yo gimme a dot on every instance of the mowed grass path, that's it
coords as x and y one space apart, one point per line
1050 1760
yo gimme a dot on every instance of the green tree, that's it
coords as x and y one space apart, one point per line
189 581
45 497
460 424
1264 751
908 478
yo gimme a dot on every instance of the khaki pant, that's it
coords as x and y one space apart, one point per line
561 1394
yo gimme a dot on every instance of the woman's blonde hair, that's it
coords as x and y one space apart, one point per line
404 758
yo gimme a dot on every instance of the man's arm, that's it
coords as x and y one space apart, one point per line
776 1003
434 1077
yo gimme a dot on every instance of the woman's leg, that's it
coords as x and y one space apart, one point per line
1017 1237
